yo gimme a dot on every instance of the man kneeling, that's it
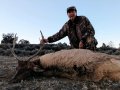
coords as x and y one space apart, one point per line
78 29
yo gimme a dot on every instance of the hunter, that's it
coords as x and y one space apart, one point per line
78 29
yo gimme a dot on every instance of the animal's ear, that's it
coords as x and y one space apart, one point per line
38 69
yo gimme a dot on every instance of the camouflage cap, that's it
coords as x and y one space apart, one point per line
72 8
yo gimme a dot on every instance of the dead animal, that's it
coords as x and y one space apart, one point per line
77 64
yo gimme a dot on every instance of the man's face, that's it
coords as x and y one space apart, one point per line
72 15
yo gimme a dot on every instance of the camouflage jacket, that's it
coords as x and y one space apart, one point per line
76 30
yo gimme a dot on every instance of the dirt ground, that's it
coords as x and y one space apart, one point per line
7 71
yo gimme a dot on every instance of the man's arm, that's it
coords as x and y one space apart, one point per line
89 29
89 32
59 35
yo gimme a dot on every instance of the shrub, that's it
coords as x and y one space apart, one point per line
22 41
8 38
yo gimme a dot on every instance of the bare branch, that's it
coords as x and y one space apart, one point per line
35 54
12 49
38 50
16 57
41 34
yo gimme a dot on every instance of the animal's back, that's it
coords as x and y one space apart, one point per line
69 58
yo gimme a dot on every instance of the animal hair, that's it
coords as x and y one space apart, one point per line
95 66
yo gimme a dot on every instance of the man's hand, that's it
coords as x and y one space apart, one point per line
42 41
81 45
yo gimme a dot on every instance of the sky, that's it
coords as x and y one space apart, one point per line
28 17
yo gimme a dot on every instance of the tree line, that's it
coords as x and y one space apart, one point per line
8 38
23 47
